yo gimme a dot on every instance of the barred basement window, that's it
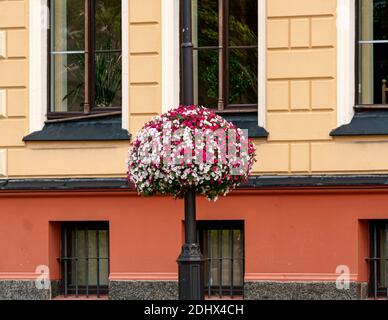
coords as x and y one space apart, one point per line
85 258
85 64
378 260
222 244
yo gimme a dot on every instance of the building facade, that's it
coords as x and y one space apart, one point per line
305 77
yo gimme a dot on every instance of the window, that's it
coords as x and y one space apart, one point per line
372 52
222 244
85 258
378 260
225 37
85 67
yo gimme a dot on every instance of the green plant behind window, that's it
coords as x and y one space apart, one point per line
107 65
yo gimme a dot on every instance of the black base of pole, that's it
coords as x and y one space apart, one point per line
191 273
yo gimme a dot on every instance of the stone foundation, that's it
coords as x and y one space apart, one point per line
27 290
268 290
143 290
168 290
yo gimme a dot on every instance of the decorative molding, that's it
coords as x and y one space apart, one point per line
3 44
346 32
170 54
324 183
190 252
3 163
19 276
262 58
151 276
310 277
3 103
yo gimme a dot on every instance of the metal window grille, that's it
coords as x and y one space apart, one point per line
85 258
378 265
222 244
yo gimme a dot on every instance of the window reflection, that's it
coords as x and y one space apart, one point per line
373 51
225 36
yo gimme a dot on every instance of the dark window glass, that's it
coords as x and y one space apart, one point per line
85 64
206 22
226 65
68 27
68 74
243 76
372 51
243 23
207 73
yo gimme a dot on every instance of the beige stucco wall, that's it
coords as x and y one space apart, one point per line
301 98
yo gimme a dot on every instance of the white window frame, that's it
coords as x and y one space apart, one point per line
346 62
170 54
38 24
170 57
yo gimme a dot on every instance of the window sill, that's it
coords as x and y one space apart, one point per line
93 129
248 121
366 122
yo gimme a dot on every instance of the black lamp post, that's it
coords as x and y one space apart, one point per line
190 261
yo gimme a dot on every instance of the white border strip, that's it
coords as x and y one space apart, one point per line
38 14
262 67
125 63
170 54
346 32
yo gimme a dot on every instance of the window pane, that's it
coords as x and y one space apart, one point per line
243 76
373 68
206 77
108 80
108 24
214 280
243 22
68 88
104 253
383 255
374 19
205 23
84 245
67 25
238 254
221 246
226 249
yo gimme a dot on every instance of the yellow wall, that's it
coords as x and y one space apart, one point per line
145 45
301 98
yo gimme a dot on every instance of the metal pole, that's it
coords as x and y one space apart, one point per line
190 217
190 261
187 54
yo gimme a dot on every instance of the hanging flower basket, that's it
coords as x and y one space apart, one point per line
188 147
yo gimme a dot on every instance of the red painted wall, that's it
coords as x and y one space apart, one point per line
289 235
